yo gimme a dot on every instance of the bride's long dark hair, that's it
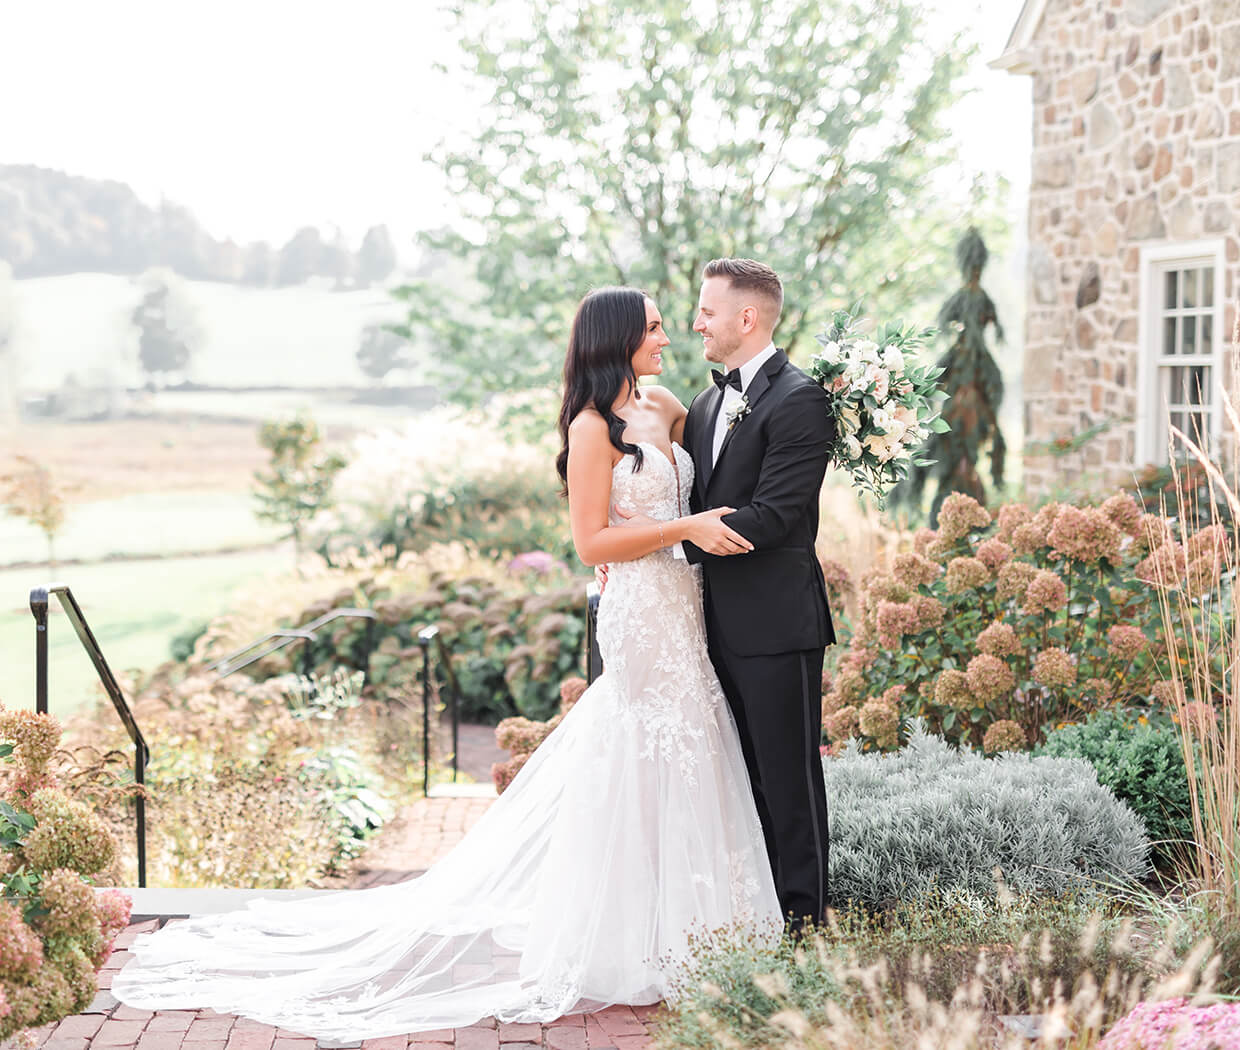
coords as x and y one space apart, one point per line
609 327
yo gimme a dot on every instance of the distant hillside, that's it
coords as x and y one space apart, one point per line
53 224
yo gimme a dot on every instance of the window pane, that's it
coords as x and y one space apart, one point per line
1188 287
1207 286
1169 302
1207 335
1188 335
1197 427
1195 385
1169 343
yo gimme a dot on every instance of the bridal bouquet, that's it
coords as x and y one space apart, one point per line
885 405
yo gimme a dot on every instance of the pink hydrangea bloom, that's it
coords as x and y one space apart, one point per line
1014 578
989 677
1004 735
1053 668
841 724
993 552
1202 574
966 574
1167 692
880 721
914 570
930 612
1123 512
1028 538
894 620
1125 641
1165 567
1087 536
922 539
999 639
951 689
1210 540
1011 517
1046 593
960 515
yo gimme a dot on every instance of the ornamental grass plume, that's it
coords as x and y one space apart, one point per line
1203 692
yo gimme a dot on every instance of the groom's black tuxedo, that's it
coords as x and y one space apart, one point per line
767 618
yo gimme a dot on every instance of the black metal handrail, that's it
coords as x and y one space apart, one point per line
594 659
278 639
39 598
427 637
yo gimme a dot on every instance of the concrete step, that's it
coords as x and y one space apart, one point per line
155 903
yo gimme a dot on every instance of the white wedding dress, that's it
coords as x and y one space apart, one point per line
629 828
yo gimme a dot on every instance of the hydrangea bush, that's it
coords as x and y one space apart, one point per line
56 931
932 818
995 629
521 735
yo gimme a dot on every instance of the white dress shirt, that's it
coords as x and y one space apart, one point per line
730 397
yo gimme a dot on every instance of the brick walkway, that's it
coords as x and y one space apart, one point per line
407 845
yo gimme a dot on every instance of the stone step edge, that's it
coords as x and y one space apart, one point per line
156 903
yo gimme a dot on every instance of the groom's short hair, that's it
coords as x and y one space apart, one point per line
749 275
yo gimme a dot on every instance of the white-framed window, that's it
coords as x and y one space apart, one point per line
1181 342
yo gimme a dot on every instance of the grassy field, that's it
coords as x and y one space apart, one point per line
134 608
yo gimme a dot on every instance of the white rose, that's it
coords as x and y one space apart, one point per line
867 350
830 354
853 447
893 359
882 419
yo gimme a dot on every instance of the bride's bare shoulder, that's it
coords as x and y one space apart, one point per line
588 424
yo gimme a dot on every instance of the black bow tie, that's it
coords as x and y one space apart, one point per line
732 379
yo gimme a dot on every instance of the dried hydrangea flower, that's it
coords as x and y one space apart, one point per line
841 724
1046 593
999 639
960 515
1014 579
914 570
1123 512
951 689
1086 536
966 574
989 677
1004 735
1125 641
1053 668
993 552
880 721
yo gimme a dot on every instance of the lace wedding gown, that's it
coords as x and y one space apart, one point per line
629 828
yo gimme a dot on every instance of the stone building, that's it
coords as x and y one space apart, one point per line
1134 254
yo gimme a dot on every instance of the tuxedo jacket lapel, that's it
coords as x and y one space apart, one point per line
704 441
753 394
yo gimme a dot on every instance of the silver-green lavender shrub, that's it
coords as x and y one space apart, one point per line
931 817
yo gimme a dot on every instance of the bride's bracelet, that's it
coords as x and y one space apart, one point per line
662 542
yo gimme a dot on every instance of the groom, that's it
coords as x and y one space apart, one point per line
759 441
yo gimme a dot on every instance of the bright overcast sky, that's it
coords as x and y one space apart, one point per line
267 115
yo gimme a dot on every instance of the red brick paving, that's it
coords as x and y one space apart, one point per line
419 836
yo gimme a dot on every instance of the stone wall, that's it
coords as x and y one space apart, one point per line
1136 141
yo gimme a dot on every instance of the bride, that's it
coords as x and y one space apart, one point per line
629 828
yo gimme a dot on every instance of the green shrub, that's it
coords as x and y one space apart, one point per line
994 630
181 646
932 818
1139 758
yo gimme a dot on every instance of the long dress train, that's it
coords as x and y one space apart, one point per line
631 826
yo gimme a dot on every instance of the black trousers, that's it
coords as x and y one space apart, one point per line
777 703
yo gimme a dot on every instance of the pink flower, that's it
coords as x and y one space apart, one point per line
929 612
1046 593
894 620
993 552
1210 540
1098 689
1168 693
1084 535
989 677
1053 668
1202 575
1014 578
966 574
880 721
915 570
1176 1022
841 724
1004 735
922 539
1125 641
960 515
951 689
1165 567
999 639
1123 512
1011 517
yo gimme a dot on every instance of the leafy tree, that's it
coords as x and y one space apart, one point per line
377 258
298 484
31 492
169 332
381 350
974 388
634 148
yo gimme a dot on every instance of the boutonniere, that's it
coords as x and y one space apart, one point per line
737 411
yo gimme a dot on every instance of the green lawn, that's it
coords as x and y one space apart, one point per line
141 523
134 608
